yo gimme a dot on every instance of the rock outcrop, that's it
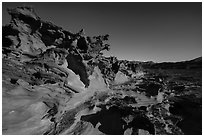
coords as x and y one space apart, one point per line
53 64
58 82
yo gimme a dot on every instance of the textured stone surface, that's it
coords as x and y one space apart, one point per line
58 82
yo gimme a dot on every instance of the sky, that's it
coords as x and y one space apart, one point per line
159 32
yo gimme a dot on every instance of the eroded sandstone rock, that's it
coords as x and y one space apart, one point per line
58 82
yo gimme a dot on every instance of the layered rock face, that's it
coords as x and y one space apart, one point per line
58 82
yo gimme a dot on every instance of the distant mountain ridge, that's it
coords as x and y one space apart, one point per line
190 64
199 59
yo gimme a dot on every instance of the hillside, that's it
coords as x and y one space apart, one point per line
58 82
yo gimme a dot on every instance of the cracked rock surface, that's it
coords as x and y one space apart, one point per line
58 82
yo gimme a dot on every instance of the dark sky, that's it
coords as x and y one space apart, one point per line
138 31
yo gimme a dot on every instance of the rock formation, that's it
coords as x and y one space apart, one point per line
58 82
